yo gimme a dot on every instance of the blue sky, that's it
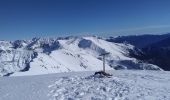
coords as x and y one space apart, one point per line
23 19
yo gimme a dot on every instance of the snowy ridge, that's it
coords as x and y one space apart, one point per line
15 60
53 55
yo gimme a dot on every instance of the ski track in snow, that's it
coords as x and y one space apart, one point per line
123 85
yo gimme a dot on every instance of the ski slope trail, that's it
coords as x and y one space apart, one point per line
123 85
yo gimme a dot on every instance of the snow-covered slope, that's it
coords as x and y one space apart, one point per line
123 85
53 55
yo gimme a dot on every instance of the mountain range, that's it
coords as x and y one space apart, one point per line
67 54
154 49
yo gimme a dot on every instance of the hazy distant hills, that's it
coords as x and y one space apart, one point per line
153 49
140 41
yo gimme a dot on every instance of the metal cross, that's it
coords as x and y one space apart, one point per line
104 54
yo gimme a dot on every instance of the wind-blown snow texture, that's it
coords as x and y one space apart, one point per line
53 55
123 85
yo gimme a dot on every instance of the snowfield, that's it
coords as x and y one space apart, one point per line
123 85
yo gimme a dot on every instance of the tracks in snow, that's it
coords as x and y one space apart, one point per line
89 88
123 87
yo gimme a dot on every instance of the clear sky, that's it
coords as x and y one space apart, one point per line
23 19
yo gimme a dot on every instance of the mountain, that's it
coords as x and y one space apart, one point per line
54 55
139 41
158 54
154 49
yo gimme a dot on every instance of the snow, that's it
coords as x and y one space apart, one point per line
123 85
55 55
